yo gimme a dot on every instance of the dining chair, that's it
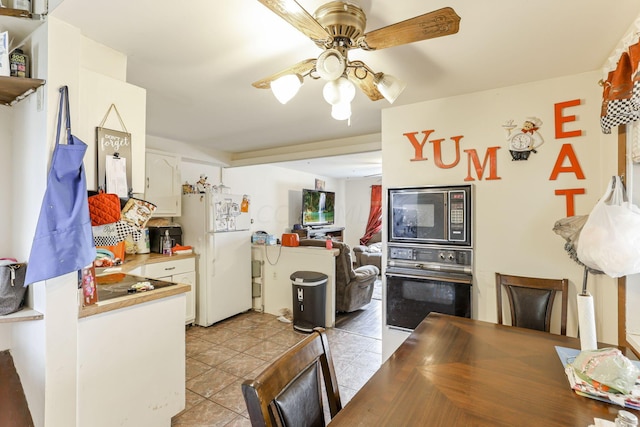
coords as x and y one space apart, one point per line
531 301
289 391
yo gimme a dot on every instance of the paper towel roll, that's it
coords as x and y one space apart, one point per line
587 322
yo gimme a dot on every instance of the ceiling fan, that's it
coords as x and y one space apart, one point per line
337 27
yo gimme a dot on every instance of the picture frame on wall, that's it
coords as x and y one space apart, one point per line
319 184
114 159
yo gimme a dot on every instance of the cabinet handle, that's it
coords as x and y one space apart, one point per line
170 268
147 182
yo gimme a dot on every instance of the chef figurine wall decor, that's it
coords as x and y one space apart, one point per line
525 140
202 186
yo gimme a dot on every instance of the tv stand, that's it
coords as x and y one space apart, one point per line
335 233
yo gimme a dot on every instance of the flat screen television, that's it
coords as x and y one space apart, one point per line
318 208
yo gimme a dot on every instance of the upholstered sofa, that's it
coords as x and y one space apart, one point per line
371 254
354 287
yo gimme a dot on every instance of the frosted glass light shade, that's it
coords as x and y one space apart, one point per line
330 64
339 91
286 87
390 87
341 110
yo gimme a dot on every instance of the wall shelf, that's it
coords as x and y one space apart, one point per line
16 13
19 23
15 89
22 315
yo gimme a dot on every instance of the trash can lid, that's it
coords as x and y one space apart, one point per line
309 277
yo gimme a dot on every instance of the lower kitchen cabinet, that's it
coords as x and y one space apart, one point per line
178 271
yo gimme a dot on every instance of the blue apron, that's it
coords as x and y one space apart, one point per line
63 241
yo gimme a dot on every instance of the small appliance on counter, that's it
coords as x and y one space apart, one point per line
157 234
290 239
263 238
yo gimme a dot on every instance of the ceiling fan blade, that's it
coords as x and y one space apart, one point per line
296 15
441 22
302 68
366 84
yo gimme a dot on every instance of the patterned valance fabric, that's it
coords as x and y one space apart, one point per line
621 91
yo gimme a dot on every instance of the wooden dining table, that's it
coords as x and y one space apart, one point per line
454 371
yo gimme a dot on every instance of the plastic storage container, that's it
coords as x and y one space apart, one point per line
309 300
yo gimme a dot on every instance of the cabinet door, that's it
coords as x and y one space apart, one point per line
188 279
177 271
170 267
162 187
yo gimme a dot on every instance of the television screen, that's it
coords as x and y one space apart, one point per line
317 207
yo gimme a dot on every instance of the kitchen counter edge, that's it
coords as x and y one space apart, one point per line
131 263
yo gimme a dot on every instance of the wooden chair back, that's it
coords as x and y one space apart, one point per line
289 391
531 301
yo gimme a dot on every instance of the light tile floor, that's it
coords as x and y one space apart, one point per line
222 356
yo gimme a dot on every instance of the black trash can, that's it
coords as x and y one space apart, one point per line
309 300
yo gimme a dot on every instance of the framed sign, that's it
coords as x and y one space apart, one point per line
114 158
114 161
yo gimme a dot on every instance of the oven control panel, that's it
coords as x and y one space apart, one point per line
402 254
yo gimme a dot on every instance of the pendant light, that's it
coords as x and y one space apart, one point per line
286 87
389 86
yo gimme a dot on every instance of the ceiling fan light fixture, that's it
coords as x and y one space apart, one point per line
339 91
341 110
389 86
330 65
286 87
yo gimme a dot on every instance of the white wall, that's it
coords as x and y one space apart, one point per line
45 351
516 213
633 281
32 149
358 203
276 195
6 118
98 93
190 172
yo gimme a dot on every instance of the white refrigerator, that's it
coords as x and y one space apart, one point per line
217 226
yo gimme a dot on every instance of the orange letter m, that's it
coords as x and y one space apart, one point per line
490 156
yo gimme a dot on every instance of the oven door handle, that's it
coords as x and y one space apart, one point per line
451 279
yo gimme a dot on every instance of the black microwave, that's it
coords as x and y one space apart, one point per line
432 215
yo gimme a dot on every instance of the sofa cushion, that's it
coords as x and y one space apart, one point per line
365 272
376 247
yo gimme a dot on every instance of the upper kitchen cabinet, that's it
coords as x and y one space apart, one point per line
162 187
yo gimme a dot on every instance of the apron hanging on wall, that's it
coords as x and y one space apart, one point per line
63 241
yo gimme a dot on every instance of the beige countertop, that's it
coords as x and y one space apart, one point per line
131 263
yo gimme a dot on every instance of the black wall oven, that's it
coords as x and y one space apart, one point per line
423 279
429 253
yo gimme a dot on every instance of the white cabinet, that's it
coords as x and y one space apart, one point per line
162 186
178 271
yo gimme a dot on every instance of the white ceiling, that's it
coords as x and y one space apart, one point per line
197 60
